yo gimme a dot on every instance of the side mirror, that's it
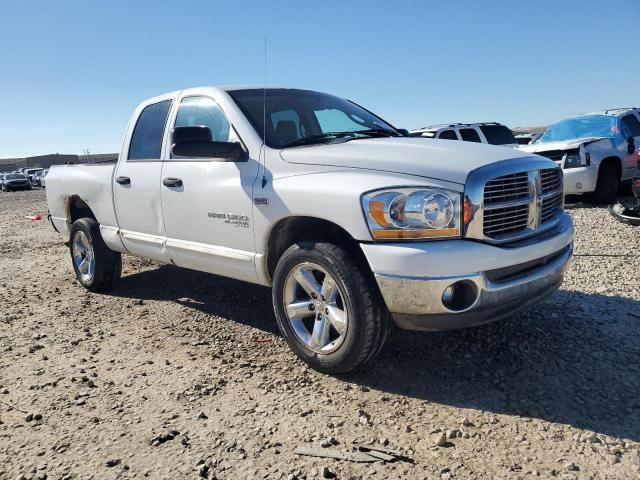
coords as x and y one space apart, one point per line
403 131
631 145
197 142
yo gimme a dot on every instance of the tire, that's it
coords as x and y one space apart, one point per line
102 267
608 184
351 290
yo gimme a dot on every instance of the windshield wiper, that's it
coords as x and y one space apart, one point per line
327 136
378 132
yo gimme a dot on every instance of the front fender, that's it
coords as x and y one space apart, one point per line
333 196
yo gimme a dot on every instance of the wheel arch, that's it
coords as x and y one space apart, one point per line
77 208
289 230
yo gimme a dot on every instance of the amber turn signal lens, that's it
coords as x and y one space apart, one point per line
468 211
376 210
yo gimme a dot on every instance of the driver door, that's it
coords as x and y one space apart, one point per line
207 202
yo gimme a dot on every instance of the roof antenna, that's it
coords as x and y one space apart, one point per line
264 118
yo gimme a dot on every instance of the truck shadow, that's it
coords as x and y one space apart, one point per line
574 359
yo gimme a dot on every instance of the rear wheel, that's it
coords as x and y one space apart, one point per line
608 184
328 309
97 267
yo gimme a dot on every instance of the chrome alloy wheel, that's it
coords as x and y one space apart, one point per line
83 256
316 308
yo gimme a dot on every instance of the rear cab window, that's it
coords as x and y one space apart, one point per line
498 135
146 140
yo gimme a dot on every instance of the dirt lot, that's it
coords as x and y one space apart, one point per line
177 374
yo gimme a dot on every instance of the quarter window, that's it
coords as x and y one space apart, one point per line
448 135
146 141
470 135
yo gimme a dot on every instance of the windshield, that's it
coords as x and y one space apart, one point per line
15 176
580 127
303 117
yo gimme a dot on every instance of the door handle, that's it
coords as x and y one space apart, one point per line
172 182
123 180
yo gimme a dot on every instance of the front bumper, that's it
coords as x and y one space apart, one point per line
580 180
498 281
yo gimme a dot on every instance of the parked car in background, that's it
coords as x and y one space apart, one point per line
30 173
490 132
596 150
14 181
38 178
43 178
526 138
350 222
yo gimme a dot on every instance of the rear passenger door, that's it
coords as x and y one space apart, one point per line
136 187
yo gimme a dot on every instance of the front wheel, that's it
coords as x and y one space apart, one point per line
607 185
327 307
97 267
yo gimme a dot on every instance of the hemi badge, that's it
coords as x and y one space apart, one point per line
261 201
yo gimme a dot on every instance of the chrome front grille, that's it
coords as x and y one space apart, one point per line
514 186
518 204
551 179
551 188
505 221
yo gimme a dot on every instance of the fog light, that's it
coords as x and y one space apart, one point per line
579 186
460 295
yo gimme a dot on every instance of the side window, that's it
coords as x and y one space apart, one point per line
195 111
146 141
470 135
632 124
448 135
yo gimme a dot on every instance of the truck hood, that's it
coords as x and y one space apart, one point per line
562 145
446 160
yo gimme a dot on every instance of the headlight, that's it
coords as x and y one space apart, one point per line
573 159
412 213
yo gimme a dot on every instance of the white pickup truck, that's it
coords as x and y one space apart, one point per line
354 225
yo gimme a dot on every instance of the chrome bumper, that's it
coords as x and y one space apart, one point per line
416 302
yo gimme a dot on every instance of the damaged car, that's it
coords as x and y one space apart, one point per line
597 151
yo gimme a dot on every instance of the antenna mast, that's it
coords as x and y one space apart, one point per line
264 118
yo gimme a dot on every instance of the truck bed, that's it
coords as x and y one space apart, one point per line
91 182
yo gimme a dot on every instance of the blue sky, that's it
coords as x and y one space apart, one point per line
72 71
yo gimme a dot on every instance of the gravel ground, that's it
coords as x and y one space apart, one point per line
177 374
